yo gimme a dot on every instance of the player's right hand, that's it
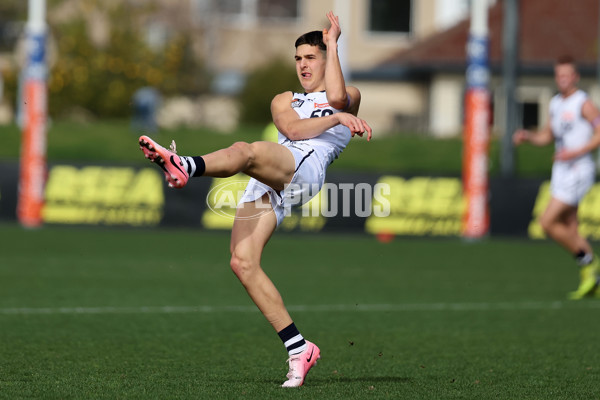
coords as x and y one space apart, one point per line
333 33
521 136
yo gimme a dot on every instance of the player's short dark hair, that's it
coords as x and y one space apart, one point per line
314 38
565 59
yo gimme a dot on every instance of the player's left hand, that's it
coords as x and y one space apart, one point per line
367 129
357 126
565 155
333 33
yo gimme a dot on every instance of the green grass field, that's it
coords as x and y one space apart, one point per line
131 314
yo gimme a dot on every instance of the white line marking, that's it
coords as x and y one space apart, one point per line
503 306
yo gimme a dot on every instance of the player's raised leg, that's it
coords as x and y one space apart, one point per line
268 162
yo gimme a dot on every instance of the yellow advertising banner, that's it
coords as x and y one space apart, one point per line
103 195
588 213
420 206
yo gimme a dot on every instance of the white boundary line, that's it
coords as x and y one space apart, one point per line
484 306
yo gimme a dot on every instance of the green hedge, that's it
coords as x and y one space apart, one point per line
114 141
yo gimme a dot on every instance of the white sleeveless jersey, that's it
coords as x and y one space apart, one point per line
570 129
329 144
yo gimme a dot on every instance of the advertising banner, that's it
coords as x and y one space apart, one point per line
382 205
588 213
100 195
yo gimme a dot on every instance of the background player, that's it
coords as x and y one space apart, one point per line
574 125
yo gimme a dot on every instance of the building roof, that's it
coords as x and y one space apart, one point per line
547 29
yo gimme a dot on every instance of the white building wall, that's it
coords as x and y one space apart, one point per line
445 117
383 102
450 12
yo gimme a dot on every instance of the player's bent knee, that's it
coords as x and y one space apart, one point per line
244 148
546 225
241 267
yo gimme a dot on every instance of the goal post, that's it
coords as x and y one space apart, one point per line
32 174
476 127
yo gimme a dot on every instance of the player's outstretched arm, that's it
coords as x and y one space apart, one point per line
340 96
293 127
542 137
335 86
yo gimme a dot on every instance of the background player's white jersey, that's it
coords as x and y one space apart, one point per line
570 129
330 143
571 179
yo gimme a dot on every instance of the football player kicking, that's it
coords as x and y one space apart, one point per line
314 127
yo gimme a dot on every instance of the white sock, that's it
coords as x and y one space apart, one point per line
294 341
191 164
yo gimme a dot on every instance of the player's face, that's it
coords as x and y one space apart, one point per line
566 78
310 67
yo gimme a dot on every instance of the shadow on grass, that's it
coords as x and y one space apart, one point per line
347 379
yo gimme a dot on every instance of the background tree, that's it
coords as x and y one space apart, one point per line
102 78
262 84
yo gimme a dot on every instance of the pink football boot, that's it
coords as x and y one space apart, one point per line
300 364
175 172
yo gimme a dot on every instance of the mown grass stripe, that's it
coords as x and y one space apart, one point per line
483 306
